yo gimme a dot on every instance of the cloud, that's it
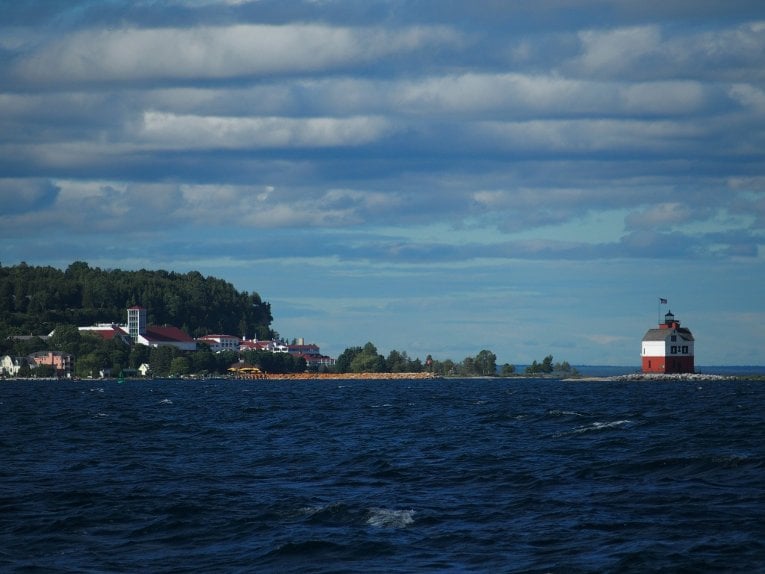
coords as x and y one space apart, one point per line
637 52
612 52
22 196
189 132
204 52
667 215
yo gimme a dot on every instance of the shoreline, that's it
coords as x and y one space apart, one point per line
657 377
631 377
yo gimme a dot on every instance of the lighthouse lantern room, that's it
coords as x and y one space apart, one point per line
668 348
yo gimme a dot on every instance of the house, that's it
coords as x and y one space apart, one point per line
63 363
311 353
315 361
218 343
10 366
668 348
144 370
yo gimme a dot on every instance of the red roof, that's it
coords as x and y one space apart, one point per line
109 334
106 333
154 333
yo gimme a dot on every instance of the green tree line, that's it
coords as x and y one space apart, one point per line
367 359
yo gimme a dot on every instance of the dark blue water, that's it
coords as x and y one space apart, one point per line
380 476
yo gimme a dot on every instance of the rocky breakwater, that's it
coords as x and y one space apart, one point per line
671 377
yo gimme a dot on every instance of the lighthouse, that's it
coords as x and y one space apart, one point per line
668 348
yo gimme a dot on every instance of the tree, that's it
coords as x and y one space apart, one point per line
88 365
446 367
343 362
139 354
180 366
25 370
44 370
507 369
547 366
396 362
160 360
368 361
202 360
486 363
67 339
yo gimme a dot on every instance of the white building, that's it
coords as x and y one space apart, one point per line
218 343
10 366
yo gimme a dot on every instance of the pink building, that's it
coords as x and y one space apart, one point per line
63 363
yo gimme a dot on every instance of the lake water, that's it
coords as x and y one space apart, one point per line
509 475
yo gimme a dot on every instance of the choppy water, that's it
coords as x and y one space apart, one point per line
380 476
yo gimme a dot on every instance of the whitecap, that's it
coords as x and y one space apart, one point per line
386 518
596 426
166 402
558 413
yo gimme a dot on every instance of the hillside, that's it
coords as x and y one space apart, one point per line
36 299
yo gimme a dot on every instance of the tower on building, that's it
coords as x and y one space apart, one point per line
136 322
668 348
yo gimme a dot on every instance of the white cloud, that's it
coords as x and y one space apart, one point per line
749 96
614 51
208 132
666 216
586 135
730 53
131 54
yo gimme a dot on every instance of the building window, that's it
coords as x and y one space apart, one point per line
674 349
685 350
673 338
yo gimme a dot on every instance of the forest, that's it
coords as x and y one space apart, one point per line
34 300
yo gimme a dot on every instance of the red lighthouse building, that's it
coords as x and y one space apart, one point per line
668 348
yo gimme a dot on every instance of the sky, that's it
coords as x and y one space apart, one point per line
432 176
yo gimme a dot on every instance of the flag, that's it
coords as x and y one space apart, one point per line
662 301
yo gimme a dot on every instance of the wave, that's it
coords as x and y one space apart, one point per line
340 513
385 518
594 427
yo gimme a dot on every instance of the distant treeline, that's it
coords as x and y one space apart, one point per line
34 300
366 359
